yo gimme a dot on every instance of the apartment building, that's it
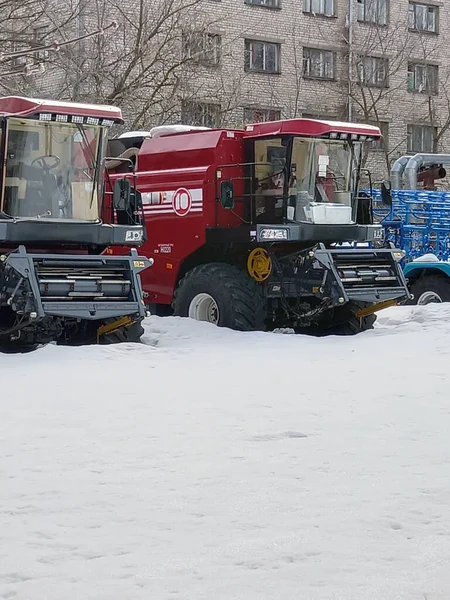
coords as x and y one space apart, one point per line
386 62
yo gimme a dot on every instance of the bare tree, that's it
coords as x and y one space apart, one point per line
430 82
376 75
145 65
30 35
314 70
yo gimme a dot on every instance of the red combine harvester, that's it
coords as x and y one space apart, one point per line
243 225
55 284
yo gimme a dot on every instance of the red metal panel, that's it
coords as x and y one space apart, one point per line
177 167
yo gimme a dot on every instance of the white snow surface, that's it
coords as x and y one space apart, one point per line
214 465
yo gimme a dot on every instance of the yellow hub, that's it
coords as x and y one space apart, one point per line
259 264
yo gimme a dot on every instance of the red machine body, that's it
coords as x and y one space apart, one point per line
179 174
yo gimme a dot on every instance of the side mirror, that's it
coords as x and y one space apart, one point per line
122 195
386 193
227 194
136 199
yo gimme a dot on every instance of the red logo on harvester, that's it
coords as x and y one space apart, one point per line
182 202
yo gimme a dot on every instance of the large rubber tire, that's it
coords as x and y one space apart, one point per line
239 301
430 289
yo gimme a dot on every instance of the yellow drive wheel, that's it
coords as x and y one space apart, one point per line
259 264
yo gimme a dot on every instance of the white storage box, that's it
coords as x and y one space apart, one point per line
321 213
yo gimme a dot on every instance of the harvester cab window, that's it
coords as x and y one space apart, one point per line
51 170
323 176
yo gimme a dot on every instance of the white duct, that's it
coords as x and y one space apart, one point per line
397 172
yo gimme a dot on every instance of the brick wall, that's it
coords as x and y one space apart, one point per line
294 95
232 87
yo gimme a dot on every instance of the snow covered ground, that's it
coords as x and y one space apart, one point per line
215 465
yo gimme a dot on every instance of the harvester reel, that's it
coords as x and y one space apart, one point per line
259 264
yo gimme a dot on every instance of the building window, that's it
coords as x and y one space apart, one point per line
262 57
373 71
202 48
267 3
318 64
201 114
18 61
319 7
39 35
379 145
318 116
423 79
258 115
423 17
421 138
373 11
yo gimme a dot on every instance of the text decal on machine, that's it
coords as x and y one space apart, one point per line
181 202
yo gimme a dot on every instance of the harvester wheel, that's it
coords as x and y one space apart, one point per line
222 294
431 289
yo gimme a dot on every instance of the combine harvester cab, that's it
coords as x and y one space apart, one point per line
55 284
246 226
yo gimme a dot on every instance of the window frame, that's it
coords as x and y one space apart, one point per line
202 58
361 69
265 4
39 33
412 70
248 42
309 8
203 107
267 110
412 17
410 134
363 8
383 144
318 116
308 60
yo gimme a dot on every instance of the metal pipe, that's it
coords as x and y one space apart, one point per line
422 160
350 59
397 172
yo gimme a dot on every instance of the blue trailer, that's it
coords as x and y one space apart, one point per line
418 222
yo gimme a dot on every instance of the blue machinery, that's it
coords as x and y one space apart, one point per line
418 222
